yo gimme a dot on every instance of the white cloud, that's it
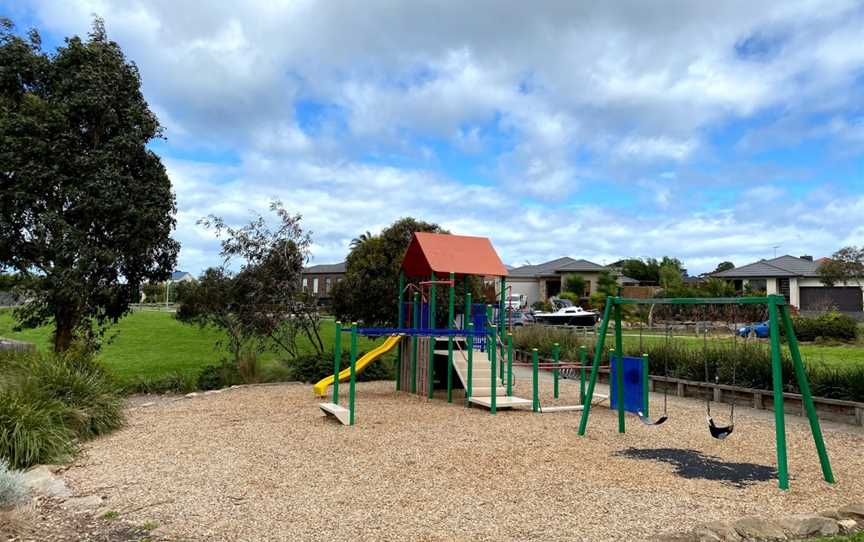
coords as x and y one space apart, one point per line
559 99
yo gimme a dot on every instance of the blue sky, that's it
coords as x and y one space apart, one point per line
704 132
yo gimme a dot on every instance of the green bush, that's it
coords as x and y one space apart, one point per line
48 402
176 382
214 377
832 325
12 488
312 368
742 363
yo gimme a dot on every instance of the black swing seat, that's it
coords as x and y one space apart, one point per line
719 432
653 423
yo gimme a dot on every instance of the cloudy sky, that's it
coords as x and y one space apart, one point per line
708 131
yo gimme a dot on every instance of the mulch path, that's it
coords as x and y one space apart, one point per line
263 463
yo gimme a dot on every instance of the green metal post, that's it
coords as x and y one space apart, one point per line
806 395
468 323
470 358
399 324
351 392
509 364
556 353
451 314
619 359
337 362
502 326
583 360
431 371
493 383
777 378
535 384
414 345
598 352
646 375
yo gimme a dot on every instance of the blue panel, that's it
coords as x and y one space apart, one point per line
633 384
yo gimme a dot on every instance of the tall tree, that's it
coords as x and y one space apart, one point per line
844 266
724 266
369 291
86 209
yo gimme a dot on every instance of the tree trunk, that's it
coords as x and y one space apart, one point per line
64 330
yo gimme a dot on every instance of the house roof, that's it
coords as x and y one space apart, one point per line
553 267
444 254
326 268
782 266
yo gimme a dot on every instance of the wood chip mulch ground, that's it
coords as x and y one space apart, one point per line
263 463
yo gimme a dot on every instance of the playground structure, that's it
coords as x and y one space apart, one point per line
778 312
477 347
473 344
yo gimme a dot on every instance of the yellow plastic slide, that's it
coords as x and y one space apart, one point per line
320 388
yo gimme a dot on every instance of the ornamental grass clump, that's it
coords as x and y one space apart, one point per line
48 403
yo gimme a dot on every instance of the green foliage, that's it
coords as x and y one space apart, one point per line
369 290
832 325
647 269
12 488
738 362
47 402
724 266
575 284
32 429
87 208
570 296
844 266
313 367
262 305
171 382
214 377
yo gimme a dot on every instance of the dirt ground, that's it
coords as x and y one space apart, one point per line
263 463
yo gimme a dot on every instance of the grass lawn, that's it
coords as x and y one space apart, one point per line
149 345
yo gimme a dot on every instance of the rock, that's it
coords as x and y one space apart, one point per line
706 535
759 529
193 394
806 525
213 392
852 511
719 530
848 525
82 504
145 405
676 537
41 481
830 514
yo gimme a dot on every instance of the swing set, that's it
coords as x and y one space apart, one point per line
778 314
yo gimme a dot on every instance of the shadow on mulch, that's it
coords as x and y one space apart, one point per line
692 464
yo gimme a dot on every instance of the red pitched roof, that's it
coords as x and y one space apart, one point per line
444 254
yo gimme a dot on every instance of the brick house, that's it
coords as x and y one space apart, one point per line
319 280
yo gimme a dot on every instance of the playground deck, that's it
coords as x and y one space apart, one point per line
414 469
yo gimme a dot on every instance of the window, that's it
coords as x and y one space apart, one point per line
305 284
315 285
327 285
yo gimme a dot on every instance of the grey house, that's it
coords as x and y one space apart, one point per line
542 281
797 279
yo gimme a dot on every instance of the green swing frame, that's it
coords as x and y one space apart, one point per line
778 312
